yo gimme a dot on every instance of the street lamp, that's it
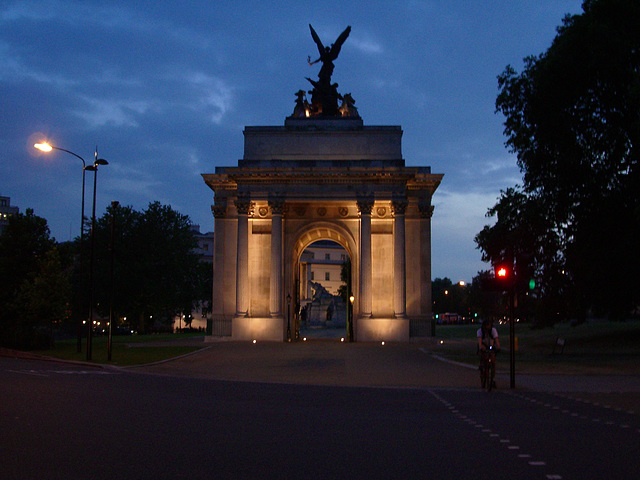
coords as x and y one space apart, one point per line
47 147
350 332
93 168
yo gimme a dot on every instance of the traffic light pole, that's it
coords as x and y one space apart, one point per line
512 338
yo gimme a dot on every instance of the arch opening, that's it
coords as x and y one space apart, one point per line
324 287
321 283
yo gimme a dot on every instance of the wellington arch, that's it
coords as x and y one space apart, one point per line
323 175
313 179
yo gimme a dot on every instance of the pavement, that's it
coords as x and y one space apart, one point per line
414 364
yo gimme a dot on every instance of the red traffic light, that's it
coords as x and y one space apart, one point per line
503 273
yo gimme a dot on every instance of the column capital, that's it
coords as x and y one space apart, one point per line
365 205
426 209
219 207
399 206
219 211
277 206
244 205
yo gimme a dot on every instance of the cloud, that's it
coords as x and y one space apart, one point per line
457 218
115 112
367 45
213 95
460 212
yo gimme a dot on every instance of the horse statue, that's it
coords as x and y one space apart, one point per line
348 108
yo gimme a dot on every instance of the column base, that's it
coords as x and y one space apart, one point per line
382 329
270 329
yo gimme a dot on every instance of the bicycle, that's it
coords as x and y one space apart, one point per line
488 368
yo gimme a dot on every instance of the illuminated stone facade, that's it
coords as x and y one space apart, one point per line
314 179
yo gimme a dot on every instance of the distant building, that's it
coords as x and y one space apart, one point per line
321 262
205 244
6 211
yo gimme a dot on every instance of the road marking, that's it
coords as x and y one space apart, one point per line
504 441
46 373
28 372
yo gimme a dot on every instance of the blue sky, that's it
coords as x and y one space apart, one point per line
164 90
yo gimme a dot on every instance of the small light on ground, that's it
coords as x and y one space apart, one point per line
254 341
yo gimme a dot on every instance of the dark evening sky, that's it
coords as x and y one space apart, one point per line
164 89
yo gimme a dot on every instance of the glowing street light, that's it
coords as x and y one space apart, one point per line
47 147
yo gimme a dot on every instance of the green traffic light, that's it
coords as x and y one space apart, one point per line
532 284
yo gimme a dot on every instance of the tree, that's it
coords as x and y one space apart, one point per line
44 299
28 274
572 117
155 267
449 297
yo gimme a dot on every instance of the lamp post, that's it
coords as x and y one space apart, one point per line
350 332
288 317
46 147
114 206
93 168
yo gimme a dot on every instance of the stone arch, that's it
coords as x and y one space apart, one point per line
311 232
323 230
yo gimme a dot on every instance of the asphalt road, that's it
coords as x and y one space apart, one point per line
61 421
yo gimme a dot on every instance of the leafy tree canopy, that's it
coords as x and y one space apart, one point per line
572 117
156 272
34 288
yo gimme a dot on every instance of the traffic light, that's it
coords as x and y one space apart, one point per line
505 277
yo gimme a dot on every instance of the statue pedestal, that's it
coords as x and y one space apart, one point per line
324 123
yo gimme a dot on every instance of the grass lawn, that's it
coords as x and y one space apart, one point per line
598 346
127 350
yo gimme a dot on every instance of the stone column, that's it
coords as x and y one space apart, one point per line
219 211
275 295
243 205
426 211
399 259
365 207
